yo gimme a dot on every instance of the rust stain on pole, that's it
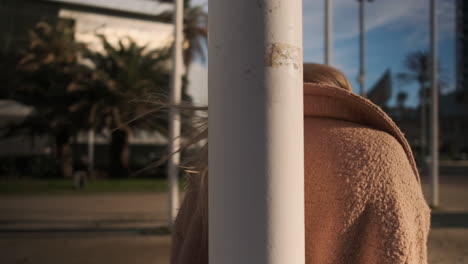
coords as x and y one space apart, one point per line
283 55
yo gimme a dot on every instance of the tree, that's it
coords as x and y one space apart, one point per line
46 79
417 71
195 31
401 100
122 75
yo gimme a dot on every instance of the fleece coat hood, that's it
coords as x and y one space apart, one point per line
363 197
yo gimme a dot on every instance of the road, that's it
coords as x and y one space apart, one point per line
99 228
129 228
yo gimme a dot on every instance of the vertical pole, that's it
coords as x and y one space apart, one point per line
256 149
362 47
434 109
328 31
174 115
90 151
424 126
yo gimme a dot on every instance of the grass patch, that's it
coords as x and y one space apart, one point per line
61 186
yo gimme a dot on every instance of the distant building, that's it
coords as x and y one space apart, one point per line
453 125
381 92
14 112
453 116
116 19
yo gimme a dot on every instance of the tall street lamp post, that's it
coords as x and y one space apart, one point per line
328 31
362 48
174 114
434 110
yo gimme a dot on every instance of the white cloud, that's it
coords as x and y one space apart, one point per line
412 15
419 22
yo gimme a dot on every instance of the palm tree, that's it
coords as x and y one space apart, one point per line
122 74
195 31
417 71
417 66
401 100
46 78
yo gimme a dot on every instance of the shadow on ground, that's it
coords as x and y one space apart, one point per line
449 220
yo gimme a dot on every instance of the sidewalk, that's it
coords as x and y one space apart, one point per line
130 228
84 229
448 239
88 212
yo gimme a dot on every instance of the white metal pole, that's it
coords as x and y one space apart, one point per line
256 141
362 49
434 109
424 127
174 115
328 31
90 151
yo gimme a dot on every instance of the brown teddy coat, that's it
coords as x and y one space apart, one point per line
363 197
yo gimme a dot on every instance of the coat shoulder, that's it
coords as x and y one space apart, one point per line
351 143
361 158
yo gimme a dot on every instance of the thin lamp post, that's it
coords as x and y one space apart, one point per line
256 136
91 151
362 48
434 110
174 114
328 31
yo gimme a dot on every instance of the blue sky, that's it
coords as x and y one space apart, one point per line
393 29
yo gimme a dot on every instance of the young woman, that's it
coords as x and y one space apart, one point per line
363 197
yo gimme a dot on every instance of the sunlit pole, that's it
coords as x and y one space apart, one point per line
434 110
256 138
424 126
174 115
328 31
362 48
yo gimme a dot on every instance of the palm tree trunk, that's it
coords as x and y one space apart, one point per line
119 154
90 151
64 156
